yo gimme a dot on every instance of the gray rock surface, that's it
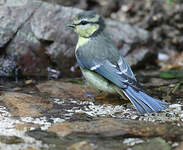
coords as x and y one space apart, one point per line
12 16
49 24
35 33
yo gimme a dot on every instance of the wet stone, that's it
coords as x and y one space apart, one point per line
80 117
108 127
76 90
26 126
24 105
64 89
155 143
180 146
11 140
84 145
42 135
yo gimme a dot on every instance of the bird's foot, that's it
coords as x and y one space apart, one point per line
90 95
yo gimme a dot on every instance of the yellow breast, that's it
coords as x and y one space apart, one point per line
81 41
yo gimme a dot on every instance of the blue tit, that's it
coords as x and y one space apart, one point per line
103 66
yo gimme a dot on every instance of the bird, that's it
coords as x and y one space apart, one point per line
104 68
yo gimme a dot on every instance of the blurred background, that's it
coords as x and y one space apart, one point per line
36 43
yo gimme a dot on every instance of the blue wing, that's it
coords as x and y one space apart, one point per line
120 74
114 74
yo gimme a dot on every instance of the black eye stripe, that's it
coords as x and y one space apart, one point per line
86 22
83 22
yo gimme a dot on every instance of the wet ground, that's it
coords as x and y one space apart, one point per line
57 114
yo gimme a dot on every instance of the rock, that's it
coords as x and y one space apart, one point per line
149 145
131 41
29 54
84 145
26 126
140 57
12 17
126 33
7 67
64 89
75 89
39 38
42 135
61 129
132 141
116 127
11 139
53 28
82 4
180 146
14 3
104 7
24 105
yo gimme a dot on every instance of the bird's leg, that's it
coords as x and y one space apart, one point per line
90 95
101 96
96 96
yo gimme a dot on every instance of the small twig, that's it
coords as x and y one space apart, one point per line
177 86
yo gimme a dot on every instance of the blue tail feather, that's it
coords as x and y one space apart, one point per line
155 102
143 102
136 104
140 109
140 103
147 103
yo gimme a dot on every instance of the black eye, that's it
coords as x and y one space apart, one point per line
83 22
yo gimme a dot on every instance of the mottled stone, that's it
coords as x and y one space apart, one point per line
30 55
11 139
7 67
52 28
140 56
123 32
130 41
82 4
26 126
24 105
12 17
49 23
64 89
180 146
155 143
84 145
61 129
109 127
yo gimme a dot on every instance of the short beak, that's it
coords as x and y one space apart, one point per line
72 25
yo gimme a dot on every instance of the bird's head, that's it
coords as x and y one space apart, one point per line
87 24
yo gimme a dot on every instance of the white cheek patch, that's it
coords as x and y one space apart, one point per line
84 26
